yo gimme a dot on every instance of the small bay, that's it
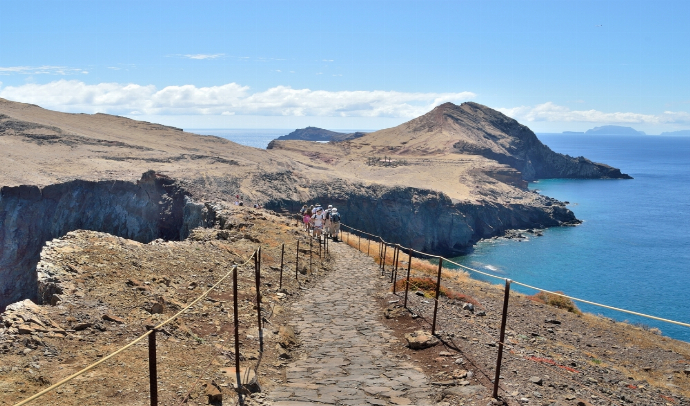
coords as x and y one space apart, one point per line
632 250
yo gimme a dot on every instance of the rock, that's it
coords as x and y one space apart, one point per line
286 337
468 306
157 308
536 380
463 391
445 354
113 318
213 392
420 340
687 371
25 329
581 402
133 282
393 312
481 313
55 299
282 352
82 326
552 321
419 293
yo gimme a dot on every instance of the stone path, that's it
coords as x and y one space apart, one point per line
349 359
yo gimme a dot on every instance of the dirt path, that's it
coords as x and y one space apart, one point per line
348 356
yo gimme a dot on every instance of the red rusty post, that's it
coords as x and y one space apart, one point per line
438 290
282 255
506 296
237 328
407 282
153 372
257 278
368 244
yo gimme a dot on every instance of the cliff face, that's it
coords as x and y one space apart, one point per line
427 220
155 207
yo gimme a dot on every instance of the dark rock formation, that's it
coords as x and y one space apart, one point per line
154 207
319 134
427 220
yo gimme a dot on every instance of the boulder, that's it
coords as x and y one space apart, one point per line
420 340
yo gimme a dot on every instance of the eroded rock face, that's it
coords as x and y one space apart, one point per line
154 207
428 220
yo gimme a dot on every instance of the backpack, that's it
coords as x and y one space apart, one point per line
328 214
335 217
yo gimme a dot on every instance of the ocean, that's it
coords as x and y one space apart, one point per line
632 250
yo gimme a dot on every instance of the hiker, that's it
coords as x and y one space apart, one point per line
317 221
327 221
305 216
335 223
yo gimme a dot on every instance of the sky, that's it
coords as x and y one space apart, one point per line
553 65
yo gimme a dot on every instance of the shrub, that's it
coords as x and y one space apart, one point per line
555 301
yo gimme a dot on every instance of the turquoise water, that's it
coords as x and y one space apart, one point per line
633 249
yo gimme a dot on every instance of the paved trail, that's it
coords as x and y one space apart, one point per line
349 359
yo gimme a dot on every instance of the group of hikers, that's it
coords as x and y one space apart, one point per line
321 222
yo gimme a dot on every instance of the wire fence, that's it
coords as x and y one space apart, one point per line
383 254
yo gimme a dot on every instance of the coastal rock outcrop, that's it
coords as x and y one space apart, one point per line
155 207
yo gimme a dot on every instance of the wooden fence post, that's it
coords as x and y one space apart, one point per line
499 359
438 290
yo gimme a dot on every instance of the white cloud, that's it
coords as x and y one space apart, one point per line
40 70
554 113
231 98
202 56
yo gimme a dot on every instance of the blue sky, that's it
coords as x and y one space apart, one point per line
553 65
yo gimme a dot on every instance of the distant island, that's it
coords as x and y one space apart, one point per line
319 134
620 130
613 130
680 133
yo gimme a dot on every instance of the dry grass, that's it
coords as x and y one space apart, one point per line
428 286
555 301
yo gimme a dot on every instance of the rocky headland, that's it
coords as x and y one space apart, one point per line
319 134
438 183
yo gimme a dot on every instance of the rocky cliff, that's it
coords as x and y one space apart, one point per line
155 207
319 134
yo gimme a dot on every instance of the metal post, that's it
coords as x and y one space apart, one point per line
383 261
438 290
407 282
282 255
310 253
297 261
396 258
395 253
237 329
380 255
501 337
368 244
359 242
153 373
257 278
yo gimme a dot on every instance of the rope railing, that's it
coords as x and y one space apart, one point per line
524 284
321 253
383 244
136 340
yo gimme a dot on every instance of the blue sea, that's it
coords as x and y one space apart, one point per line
632 250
